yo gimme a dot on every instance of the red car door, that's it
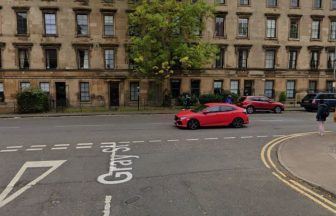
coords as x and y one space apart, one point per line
210 116
226 115
267 103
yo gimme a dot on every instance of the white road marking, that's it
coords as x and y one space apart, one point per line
59 148
122 142
37 146
262 136
106 143
278 135
84 144
83 147
34 149
246 137
29 164
9 150
173 140
211 138
61 145
9 127
138 141
193 139
97 125
230 137
107 208
154 141
10 147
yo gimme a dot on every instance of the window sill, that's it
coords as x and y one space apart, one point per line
271 39
242 38
293 39
110 36
318 40
21 35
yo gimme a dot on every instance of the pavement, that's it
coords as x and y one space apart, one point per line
116 112
311 158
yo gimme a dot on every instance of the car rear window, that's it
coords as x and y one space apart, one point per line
309 97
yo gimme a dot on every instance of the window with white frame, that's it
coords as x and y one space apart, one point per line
312 86
50 26
333 4
317 4
244 2
243 27
24 86
134 91
45 87
294 28
82 24
290 89
2 94
270 59
316 29
292 60
234 86
271 27
295 3
219 25
271 3
83 58
315 59
218 86
331 59
109 58
220 58
109 25
269 88
84 92
242 58
332 32
23 58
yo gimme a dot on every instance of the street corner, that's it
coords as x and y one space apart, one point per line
304 162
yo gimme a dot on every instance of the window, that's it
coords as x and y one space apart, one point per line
22 26
243 27
271 3
2 95
312 86
83 58
220 58
292 59
269 88
50 27
244 2
108 25
331 59
109 58
329 86
220 1
290 89
24 86
234 86
315 31
242 58
332 31
294 28
84 92
51 58
271 28
23 58
333 4
134 91
195 87
175 87
270 59
315 59
45 87
294 3
218 86
317 4
219 25
82 24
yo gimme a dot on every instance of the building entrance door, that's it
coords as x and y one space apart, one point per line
114 94
60 94
248 87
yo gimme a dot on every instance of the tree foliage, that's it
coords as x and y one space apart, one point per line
166 37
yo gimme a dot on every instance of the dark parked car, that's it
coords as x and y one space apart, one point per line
311 101
253 103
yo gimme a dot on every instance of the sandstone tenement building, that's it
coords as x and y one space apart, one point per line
76 51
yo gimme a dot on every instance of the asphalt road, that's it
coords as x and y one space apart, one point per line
62 166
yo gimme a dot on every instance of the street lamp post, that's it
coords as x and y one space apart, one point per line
138 88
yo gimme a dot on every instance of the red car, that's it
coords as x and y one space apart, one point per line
212 114
253 103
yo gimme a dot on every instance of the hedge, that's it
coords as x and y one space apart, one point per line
32 101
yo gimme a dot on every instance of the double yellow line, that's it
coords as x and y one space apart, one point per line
267 160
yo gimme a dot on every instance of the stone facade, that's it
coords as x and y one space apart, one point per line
112 87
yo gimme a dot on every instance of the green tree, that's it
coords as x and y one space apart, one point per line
166 37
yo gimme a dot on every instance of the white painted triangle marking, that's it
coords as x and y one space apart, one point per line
29 164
